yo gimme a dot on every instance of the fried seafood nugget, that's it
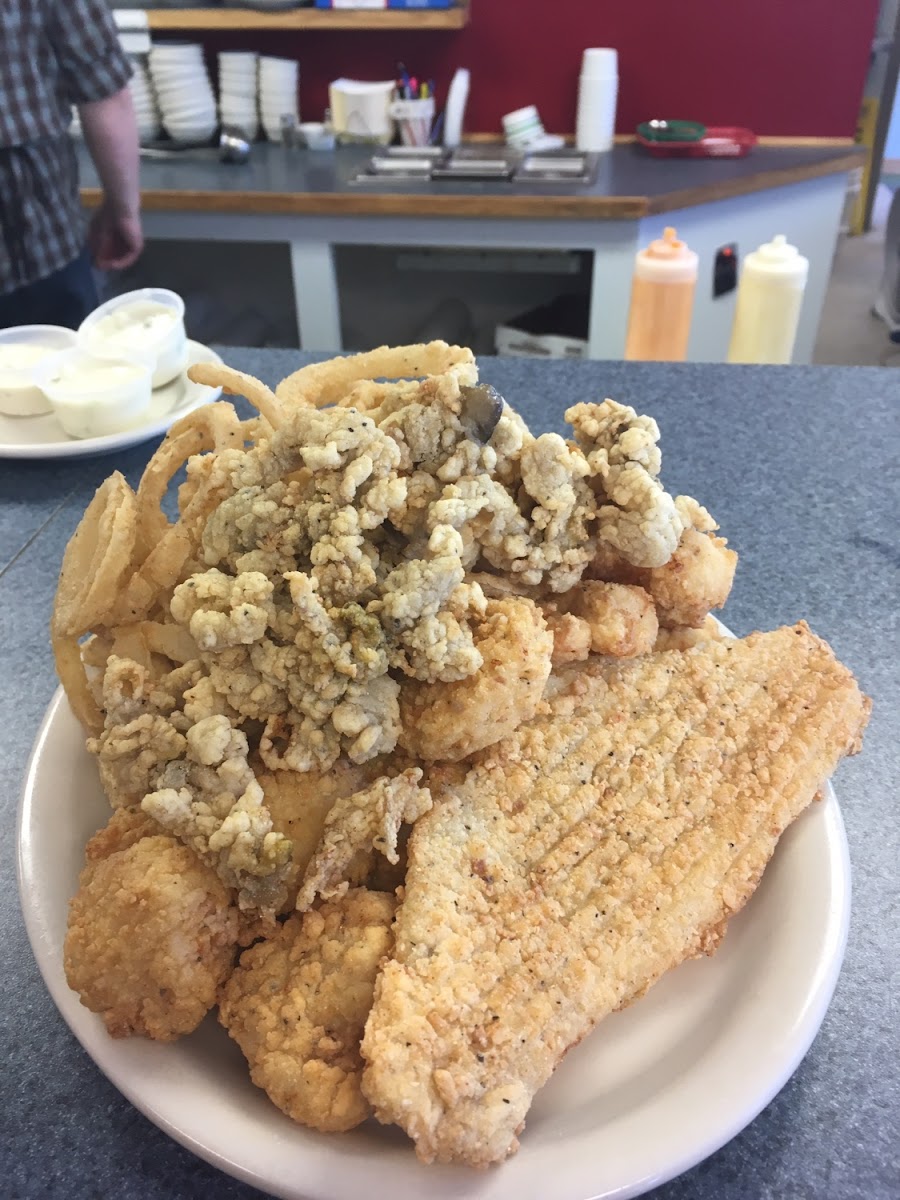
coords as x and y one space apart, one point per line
366 821
449 721
297 1005
697 578
683 637
151 937
571 637
621 618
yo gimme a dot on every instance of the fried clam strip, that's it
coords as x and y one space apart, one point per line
321 384
582 858
367 820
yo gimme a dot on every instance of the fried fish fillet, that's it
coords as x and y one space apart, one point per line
582 857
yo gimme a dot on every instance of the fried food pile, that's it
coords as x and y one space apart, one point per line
423 749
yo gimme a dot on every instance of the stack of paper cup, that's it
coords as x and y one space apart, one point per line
237 91
278 79
184 91
598 89
146 111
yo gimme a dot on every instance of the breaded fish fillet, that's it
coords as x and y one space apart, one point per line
589 852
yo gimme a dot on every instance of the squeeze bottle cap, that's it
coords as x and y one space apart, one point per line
667 260
600 62
779 259
668 246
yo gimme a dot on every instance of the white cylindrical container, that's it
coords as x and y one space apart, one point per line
93 395
769 297
146 321
598 89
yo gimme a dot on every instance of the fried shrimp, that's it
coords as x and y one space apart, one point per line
449 721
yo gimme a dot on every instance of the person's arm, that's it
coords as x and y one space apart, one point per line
110 133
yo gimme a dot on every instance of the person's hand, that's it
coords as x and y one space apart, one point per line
115 239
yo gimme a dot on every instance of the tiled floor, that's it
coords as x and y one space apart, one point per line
849 333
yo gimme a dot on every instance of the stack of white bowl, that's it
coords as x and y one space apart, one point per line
184 91
237 91
278 79
145 109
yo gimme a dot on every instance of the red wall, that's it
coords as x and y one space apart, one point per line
792 67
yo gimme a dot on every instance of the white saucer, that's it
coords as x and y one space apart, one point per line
43 437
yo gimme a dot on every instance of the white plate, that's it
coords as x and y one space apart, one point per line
43 437
656 1089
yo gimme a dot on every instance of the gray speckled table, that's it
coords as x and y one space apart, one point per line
802 468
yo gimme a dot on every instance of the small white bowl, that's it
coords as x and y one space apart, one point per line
93 395
22 349
133 323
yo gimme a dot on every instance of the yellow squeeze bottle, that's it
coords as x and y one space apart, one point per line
769 297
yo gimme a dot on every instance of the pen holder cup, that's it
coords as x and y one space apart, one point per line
414 120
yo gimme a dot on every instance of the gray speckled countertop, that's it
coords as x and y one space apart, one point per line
801 465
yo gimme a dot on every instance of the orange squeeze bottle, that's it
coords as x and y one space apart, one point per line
662 300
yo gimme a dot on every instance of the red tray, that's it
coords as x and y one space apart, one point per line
723 141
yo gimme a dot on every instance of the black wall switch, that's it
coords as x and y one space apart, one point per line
725 270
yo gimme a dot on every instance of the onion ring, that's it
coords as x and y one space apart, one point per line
96 560
237 383
324 383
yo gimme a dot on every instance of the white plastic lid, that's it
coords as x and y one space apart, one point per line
779 259
601 62
527 117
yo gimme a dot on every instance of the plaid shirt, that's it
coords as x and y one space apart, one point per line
53 54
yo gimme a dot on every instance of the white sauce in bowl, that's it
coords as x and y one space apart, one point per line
139 326
19 394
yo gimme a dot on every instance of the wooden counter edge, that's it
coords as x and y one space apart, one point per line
762 180
340 204
575 207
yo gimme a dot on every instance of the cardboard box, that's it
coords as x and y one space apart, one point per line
556 330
